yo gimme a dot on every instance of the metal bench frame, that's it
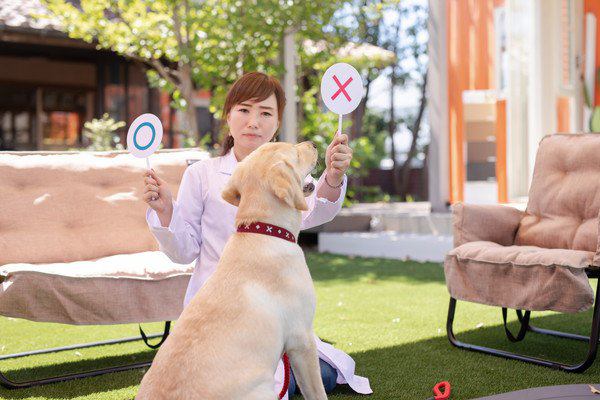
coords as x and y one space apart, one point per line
7 383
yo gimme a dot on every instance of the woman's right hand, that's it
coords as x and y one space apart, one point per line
157 194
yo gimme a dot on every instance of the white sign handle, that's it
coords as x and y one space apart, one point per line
339 132
149 168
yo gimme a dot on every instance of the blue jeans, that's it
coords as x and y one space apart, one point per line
328 374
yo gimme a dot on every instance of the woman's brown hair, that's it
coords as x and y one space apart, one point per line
254 86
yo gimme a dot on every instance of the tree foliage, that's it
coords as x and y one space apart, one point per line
189 45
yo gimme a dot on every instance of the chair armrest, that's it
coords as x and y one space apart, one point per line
494 223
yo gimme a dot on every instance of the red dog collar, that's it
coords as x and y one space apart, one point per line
267 229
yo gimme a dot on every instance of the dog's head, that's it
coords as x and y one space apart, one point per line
276 170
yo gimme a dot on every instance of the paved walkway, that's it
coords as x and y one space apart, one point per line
396 230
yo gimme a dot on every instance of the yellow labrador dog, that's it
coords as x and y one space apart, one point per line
259 303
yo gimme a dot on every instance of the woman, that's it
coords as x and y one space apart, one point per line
197 226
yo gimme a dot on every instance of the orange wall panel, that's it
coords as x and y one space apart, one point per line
563 114
470 43
593 6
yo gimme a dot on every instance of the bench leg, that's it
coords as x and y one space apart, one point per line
7 383
591 354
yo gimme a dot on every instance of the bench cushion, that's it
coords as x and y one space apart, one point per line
124 288
79 205
520 277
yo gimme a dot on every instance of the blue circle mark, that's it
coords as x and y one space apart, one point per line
135 143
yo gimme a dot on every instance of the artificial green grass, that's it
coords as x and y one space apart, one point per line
390 316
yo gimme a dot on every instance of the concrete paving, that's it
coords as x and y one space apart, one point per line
390 230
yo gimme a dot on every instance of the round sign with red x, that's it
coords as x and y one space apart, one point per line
341 88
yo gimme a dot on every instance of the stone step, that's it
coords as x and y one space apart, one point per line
393 245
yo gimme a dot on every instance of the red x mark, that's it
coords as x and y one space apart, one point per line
342 87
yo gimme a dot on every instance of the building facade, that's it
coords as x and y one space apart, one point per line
50 85
503 74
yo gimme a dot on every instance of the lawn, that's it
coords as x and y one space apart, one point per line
389 315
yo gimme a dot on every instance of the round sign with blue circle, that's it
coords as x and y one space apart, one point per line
144 135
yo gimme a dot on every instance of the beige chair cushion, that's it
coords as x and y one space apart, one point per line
520 277
125 288
564 198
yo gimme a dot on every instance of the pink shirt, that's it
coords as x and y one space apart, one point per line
201 225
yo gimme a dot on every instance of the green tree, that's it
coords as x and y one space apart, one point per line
361 21
102 134
406 36
374 132
189 44
351 39
399 26
319 124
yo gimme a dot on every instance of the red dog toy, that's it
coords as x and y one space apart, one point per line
441 391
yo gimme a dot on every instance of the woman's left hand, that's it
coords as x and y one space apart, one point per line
337 160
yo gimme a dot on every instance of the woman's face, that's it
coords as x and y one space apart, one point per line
253 123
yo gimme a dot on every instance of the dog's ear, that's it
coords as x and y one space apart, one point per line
231 193
287 186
